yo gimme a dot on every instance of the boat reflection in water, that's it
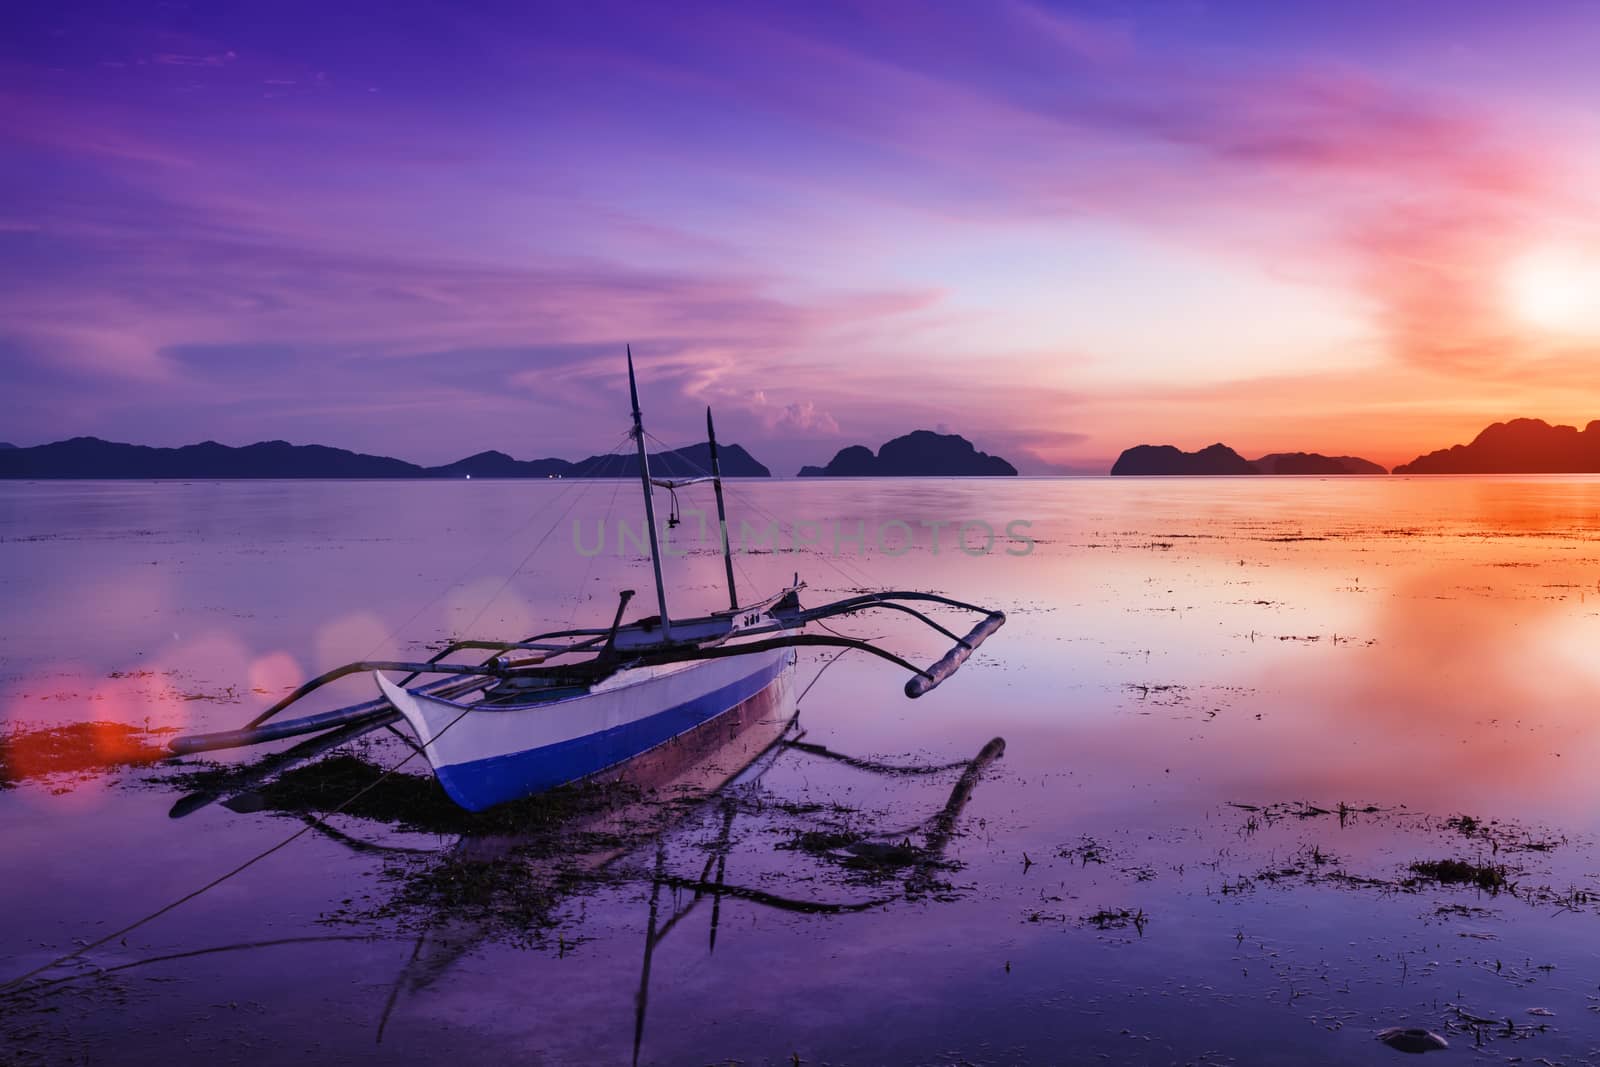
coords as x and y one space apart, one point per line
501 881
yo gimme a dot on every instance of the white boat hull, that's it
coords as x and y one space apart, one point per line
487 755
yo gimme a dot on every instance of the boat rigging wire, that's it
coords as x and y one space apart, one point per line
857 580
572 483
539 544
748 580
572 616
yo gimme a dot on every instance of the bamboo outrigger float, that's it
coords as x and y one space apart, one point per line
519 722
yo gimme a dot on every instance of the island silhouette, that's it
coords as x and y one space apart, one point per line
1516 446
1315 463
1219 459
1520 446
920 453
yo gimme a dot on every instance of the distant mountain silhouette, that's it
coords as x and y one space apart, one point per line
90 457
687 462
920 453
1165 459
5 445
500 465
1315 463
1521 446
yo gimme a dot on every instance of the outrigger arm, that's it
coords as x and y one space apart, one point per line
644 643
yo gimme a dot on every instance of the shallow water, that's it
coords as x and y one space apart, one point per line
1235 713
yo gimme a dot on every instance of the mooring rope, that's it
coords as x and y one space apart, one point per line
14 986
243 946
818 676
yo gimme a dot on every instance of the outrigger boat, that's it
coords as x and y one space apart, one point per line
519 723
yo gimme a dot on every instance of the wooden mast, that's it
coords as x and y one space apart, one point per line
722 513
649 501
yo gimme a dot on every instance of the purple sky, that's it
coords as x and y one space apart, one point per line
428 229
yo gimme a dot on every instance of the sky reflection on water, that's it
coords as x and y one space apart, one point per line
1196 674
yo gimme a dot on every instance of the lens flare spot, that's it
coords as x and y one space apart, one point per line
487 607
273 675
351 637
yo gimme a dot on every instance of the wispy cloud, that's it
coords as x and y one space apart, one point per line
181 59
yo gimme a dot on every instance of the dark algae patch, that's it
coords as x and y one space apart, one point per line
856 853
1486 876
1118 919
502 898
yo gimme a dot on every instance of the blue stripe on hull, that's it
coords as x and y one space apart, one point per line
484 783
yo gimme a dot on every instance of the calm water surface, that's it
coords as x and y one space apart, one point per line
1235 713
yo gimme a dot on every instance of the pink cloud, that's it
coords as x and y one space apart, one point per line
795 419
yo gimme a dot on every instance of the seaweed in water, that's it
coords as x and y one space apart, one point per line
1487 876
1118 919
